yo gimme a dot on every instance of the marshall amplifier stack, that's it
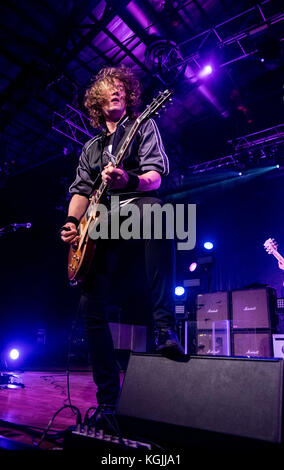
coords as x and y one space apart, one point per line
213 324
237 323
253 321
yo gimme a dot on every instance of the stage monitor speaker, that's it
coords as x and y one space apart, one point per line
252 344
253 308
232 396
212 307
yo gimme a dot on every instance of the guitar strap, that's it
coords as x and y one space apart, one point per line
107 154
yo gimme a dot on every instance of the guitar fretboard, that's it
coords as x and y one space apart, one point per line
101 189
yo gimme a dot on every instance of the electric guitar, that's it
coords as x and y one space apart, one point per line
271 247
81 257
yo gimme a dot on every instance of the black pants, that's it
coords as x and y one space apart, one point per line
159 259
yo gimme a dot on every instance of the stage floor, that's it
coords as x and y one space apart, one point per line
44 393
25 413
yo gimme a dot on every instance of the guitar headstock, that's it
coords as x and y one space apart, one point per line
271 246
157 103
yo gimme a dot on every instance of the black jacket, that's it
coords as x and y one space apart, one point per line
145 153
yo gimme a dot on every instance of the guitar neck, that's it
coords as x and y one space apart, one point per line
133 131
278 256
150 110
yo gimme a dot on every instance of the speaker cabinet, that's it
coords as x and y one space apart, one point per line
233 396
215 343
210 308
253 308
252 344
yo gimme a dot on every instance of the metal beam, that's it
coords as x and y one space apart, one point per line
123 47
18 8
73 124
48 53
98 26
245 33
271 135
212 164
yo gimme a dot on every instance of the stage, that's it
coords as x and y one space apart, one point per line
141 165
174 405
44 393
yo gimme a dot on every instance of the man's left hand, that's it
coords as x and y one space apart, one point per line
115 178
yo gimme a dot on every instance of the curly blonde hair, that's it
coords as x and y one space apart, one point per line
95 94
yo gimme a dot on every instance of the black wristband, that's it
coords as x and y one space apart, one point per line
72 219
133 182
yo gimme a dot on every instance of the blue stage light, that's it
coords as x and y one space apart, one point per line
14 354
179 290
208 245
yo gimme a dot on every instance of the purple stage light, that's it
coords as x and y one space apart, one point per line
14 354
192 267
140 15
207 70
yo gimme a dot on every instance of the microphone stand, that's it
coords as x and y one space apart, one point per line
13 228
4 231
10 380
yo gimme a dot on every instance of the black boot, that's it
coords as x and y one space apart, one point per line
167 342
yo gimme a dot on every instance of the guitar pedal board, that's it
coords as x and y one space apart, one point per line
89 438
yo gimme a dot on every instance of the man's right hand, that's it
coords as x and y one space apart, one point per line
70 236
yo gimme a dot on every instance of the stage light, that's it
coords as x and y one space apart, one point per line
277 166
14 354
240 173
208 245
207 70
179 290
192 267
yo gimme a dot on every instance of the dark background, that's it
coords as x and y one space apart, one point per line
237 217
48 55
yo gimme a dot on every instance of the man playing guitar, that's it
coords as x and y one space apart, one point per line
111 101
